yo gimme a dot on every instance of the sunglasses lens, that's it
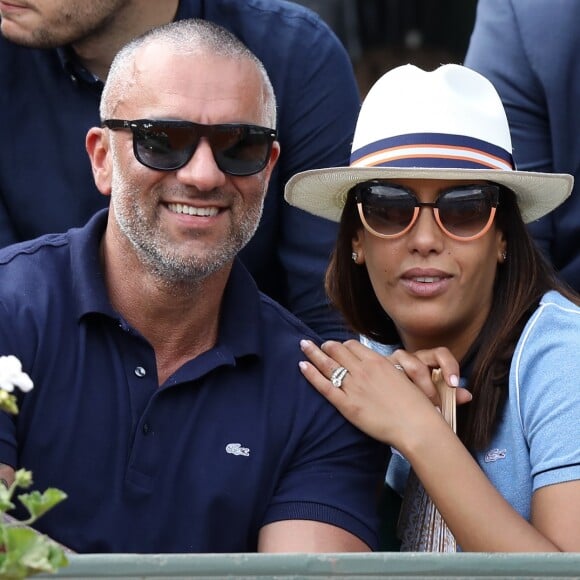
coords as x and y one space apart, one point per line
237 149
387 210
241 150
165 147
465 212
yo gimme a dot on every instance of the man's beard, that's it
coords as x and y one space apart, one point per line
156 251
72 27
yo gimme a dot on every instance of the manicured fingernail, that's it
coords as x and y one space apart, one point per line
303 366
454 380
304 343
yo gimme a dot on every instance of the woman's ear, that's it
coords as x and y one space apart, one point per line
502 254
358 255
98 148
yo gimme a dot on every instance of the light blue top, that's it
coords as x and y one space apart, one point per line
537 442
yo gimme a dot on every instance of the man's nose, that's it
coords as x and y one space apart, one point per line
201 171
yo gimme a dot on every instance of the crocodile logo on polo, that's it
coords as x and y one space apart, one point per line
237 449
495 454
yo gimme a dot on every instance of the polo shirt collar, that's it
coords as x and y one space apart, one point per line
88 280
239 330
73 67
240 318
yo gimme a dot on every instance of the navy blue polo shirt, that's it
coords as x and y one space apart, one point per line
235 439
48 101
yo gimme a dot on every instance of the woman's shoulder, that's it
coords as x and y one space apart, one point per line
556 300
550 335
555 310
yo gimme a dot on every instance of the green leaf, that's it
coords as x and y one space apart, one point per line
23 478
27 552
56 556
39 503
8 402
5 499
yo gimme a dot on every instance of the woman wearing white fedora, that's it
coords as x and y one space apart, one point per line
434 260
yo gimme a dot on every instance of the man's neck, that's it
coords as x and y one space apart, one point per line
178 325
96 51
180 321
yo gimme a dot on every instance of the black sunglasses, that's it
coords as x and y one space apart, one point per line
238 149
463 212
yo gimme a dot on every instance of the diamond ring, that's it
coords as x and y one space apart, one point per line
337 377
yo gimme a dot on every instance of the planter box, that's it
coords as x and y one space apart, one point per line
317 566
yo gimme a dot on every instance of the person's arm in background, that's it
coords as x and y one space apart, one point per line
496 50
529 51
318 112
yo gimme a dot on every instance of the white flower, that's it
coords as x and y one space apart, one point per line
11 375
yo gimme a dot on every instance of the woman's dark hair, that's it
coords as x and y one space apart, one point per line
520 283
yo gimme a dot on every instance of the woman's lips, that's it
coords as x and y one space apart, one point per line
425 283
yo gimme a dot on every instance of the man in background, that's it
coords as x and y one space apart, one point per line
530 51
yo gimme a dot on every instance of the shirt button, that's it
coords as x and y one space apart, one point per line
140 371
146 428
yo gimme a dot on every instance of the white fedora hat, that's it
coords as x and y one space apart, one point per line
445 124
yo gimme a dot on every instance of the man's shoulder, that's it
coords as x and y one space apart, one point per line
268 28
36 283
277 319
22 252
543 12
236 12
528 26
31 271
32 80
13 56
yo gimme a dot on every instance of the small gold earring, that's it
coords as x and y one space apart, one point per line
354 256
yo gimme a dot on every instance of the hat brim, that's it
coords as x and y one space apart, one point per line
323 192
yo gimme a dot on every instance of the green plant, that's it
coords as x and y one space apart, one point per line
23 550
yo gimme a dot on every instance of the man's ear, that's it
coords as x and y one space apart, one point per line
98 148
274 155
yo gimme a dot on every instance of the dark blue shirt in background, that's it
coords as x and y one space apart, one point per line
47 104
234 440
530 51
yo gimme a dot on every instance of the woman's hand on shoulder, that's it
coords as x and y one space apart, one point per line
418 366
390 398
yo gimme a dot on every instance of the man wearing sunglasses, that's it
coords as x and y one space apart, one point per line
168 403
54 57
